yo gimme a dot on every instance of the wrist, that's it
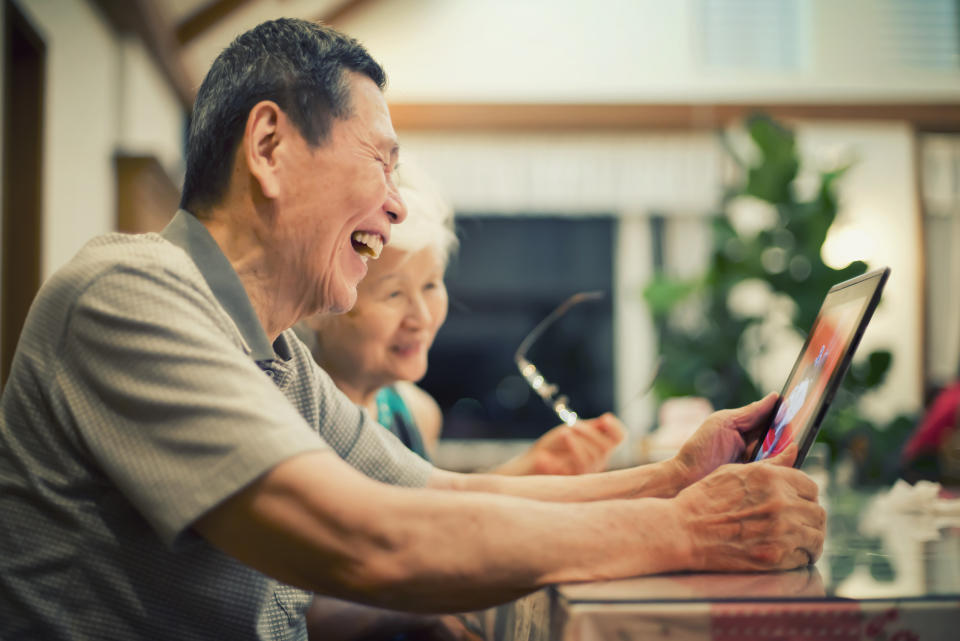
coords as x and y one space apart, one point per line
675 477
679 474
519 465
684 540
663 479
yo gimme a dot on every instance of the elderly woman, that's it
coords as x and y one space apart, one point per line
376 352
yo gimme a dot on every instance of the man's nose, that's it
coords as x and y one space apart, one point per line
394 205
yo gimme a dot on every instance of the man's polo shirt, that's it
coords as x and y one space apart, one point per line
143 393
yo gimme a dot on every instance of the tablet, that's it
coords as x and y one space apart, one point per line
822 363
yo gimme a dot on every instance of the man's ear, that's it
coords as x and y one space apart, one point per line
260 140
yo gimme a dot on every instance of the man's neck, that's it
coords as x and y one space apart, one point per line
249 257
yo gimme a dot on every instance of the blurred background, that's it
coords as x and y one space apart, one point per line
712 166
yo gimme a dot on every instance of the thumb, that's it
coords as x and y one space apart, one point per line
784 458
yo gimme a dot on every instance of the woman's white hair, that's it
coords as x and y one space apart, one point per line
429 220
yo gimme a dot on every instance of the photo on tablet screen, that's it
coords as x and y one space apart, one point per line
823 361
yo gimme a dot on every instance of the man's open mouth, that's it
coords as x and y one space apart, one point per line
366 244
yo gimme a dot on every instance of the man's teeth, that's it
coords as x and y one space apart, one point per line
368 245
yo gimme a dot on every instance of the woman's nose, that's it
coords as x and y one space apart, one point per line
419 313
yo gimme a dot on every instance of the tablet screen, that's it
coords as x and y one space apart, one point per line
821 365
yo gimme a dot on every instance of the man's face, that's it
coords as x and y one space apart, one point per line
338 203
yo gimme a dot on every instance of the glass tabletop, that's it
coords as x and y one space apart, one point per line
875 549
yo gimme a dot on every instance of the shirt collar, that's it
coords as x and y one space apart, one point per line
188 233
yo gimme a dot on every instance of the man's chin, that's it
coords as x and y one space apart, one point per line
341 303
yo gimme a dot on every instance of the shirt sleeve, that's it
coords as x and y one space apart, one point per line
360 440
165 399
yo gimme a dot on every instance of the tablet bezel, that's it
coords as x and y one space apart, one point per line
836 378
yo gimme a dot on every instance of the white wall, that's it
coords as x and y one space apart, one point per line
151 119
80 126
635 50
102 95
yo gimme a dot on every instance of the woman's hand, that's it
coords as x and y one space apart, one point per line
580 448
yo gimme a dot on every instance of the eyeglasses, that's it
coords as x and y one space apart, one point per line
549 392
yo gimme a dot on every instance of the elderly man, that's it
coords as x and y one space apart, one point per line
173 464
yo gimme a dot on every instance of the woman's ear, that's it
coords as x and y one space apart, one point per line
261 138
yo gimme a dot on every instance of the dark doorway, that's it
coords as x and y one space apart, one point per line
508 275
24 57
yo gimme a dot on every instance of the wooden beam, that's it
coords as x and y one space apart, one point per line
145 20
603 117
206 17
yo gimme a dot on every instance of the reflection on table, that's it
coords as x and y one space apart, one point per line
890 570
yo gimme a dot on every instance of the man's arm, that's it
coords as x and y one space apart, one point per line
314 522
723 438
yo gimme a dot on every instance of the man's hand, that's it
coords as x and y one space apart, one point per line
723 438
758 516
580 448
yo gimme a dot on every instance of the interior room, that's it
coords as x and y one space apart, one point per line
667 155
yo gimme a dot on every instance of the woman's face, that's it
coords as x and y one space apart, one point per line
401 303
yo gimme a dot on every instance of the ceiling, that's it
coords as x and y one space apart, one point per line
184 36
629 69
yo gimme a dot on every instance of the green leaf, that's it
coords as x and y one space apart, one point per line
663 293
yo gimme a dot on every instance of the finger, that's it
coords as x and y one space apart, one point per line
810 514
597 444
749 447
611 426
572 452
610 433
810 545
755 414
798 558
815 549
593 440
805 487
784 458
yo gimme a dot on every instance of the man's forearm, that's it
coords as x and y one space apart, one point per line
657 480
488 549
315 523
